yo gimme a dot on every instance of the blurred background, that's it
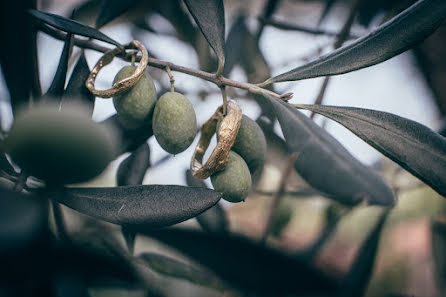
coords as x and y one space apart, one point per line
412 85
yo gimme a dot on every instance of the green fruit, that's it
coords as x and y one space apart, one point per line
281 218
234 182
135 105
61 147
250 143
174 122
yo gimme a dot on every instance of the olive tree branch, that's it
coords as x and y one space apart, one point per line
220 81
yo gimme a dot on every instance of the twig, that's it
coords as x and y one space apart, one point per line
171 78
278 196
341 38
292 27
212 77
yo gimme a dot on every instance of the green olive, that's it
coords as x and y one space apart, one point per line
60 147
135 105
174 122
250 144
234 182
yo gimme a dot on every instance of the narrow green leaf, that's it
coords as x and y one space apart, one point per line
415 147
388 40
139 207
247 265
325 164
76 88
57 86
213 219
358 277
174 268
71 26
112 9
439 253
131 171
210 18
234 44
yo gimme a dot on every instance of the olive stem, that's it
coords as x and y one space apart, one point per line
225 99
172 79
278 196
212 77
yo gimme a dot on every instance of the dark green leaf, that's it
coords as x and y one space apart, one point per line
57 86
439 253
76 88
131 171
325 164
213 219
234 44
71 26
268 11
247 265
112 9
18 53
392 38
139 207
5 165
210 18
174 268
327 8
415 147
356 281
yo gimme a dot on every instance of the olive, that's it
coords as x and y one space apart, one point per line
135 105
234 182
60 147
174 122
250 144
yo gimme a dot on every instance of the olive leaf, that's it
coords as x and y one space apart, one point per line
327 8
131 171
174 268
247 265
71 26
76 88
438 252
112 9
388 40
234 44
210 18
415 147
57 86
324 163
139 207
356 281
213 219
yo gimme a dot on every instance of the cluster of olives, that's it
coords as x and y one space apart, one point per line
246 157
174 122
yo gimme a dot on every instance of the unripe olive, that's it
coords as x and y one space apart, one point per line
61 147
174 122
137 104
234 182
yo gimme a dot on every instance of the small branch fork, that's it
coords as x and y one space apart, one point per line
220 81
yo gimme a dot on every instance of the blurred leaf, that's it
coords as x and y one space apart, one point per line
131 138
247 265
139 207
71 26
112 9
174 268
392 38
131 171
18 53
213 219
415 147
87 12
357 279
325 164
57 86
268 11
76 88
234 44
210 18
439 253
5 165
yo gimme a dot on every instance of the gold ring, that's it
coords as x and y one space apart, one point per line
226 136
123 85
